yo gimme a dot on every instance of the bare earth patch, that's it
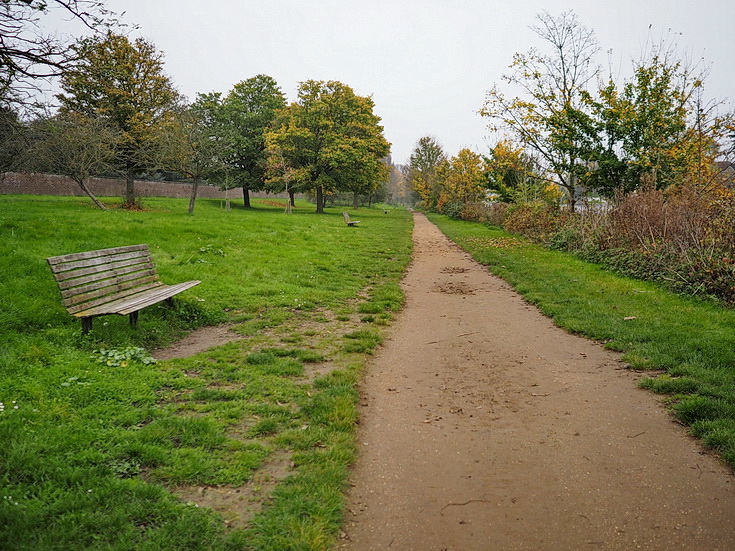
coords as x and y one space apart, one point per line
318 329
238 505
197 341
484 426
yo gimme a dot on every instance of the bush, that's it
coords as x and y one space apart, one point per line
680 237
496 214
537 220
453 209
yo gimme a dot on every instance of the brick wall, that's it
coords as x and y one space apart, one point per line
13 183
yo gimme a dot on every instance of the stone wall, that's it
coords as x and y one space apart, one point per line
13 183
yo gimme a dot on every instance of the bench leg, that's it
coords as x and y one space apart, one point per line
86 325
170 302
133 318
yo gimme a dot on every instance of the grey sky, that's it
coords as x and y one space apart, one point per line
427 63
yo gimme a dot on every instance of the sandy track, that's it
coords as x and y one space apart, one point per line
484 426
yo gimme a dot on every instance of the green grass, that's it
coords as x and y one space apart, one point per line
101 438
691 341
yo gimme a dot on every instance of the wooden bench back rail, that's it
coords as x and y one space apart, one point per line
348 221
120 280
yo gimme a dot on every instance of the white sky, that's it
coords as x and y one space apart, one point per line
427 63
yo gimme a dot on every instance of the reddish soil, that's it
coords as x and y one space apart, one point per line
484 426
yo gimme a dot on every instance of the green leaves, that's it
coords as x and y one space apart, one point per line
425 160
122 84
328 140
123 357
652 130
247 112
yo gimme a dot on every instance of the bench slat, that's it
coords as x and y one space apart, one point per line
138 301
94 254
75 304
70 278
100 261
137 278
153 297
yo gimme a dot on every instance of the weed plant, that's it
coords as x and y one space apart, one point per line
96 437
691 341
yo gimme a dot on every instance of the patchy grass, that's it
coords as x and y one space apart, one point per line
97 439
691 341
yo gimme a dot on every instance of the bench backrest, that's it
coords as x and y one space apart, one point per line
99 277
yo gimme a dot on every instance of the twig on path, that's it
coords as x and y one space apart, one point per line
463 504
462 335
637 435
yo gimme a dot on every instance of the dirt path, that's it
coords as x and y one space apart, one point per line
484 426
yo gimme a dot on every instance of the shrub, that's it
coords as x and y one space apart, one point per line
453 209
536 220
681 237
496 214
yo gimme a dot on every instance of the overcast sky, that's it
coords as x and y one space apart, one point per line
426 63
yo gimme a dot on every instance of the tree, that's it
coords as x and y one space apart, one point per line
193 142
656 129
398 190
122 83
29 55
13 140
422 170
280 175
505 169
75 146
364 171
248 110
462 179
330 139
549 118
515 175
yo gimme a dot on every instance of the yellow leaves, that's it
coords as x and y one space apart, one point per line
422 186
552 192
462 177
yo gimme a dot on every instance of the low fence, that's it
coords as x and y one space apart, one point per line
14 183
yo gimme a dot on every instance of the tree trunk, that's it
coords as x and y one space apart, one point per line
319 199
89 193
573 196
292 198
246 197
355 200
130 187
193 198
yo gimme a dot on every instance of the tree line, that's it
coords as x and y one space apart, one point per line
569 132
119 113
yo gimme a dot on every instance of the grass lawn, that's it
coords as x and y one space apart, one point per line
688 343
102 449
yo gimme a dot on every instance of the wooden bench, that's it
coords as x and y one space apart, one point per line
348 221
122 280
